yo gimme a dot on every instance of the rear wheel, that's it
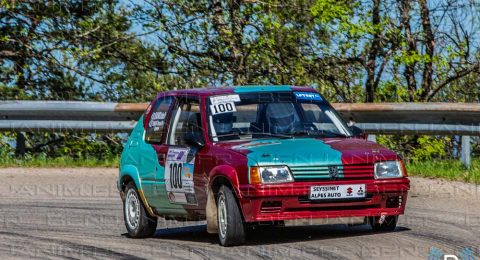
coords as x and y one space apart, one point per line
231 229
139 224
388 224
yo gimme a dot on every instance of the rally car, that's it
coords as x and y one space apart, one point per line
251 155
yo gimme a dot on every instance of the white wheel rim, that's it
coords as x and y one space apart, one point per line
222 216
132 209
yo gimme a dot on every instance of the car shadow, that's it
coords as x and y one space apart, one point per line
196 233
265 235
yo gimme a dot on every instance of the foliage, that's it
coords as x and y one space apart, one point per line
351 51
446 169
6 150
76 146
417 148
74 50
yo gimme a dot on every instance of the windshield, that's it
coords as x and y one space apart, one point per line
277 114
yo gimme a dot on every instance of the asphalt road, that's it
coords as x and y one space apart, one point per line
77 213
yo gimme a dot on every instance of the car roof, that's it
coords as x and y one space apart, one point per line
238 89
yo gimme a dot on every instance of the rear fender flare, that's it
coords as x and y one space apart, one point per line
132 172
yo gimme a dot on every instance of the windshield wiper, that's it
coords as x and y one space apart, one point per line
232 134
247 133
275 135
336 134
317 132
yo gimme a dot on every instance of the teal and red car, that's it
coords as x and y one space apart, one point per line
251 155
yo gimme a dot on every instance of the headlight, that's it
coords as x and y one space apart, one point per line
270 174
389 169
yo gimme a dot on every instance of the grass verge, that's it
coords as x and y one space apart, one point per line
59 162
446 169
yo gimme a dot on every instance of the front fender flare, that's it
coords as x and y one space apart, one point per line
228 172
223 171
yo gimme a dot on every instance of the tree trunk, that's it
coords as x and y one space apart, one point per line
373 54
427 76
409 73
231 33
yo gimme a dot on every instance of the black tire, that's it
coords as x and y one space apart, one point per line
389 224
233 232
138 223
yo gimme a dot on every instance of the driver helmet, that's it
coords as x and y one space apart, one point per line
223 123
281 117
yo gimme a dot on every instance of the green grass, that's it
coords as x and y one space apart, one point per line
58 162
446 169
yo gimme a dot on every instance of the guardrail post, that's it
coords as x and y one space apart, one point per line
465 154
20 144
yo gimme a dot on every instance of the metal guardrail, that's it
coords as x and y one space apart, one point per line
374 118
384 118
69 116
414 118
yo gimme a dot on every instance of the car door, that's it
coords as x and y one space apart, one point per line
183 170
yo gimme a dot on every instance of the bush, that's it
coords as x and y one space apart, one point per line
63 148
417 148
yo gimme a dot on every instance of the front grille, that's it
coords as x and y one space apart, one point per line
323 172
358 171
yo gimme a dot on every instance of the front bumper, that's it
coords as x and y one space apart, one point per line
290 201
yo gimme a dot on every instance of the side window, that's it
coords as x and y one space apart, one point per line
153 133
186 120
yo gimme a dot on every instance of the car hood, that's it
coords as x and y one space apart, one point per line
311 151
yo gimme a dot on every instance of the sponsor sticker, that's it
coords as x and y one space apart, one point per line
308 96
328 192
156 120
224 99
179 176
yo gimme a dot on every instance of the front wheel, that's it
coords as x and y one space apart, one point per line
139 224
388 224
231 229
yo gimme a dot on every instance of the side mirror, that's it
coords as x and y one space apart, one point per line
358 132
194 139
